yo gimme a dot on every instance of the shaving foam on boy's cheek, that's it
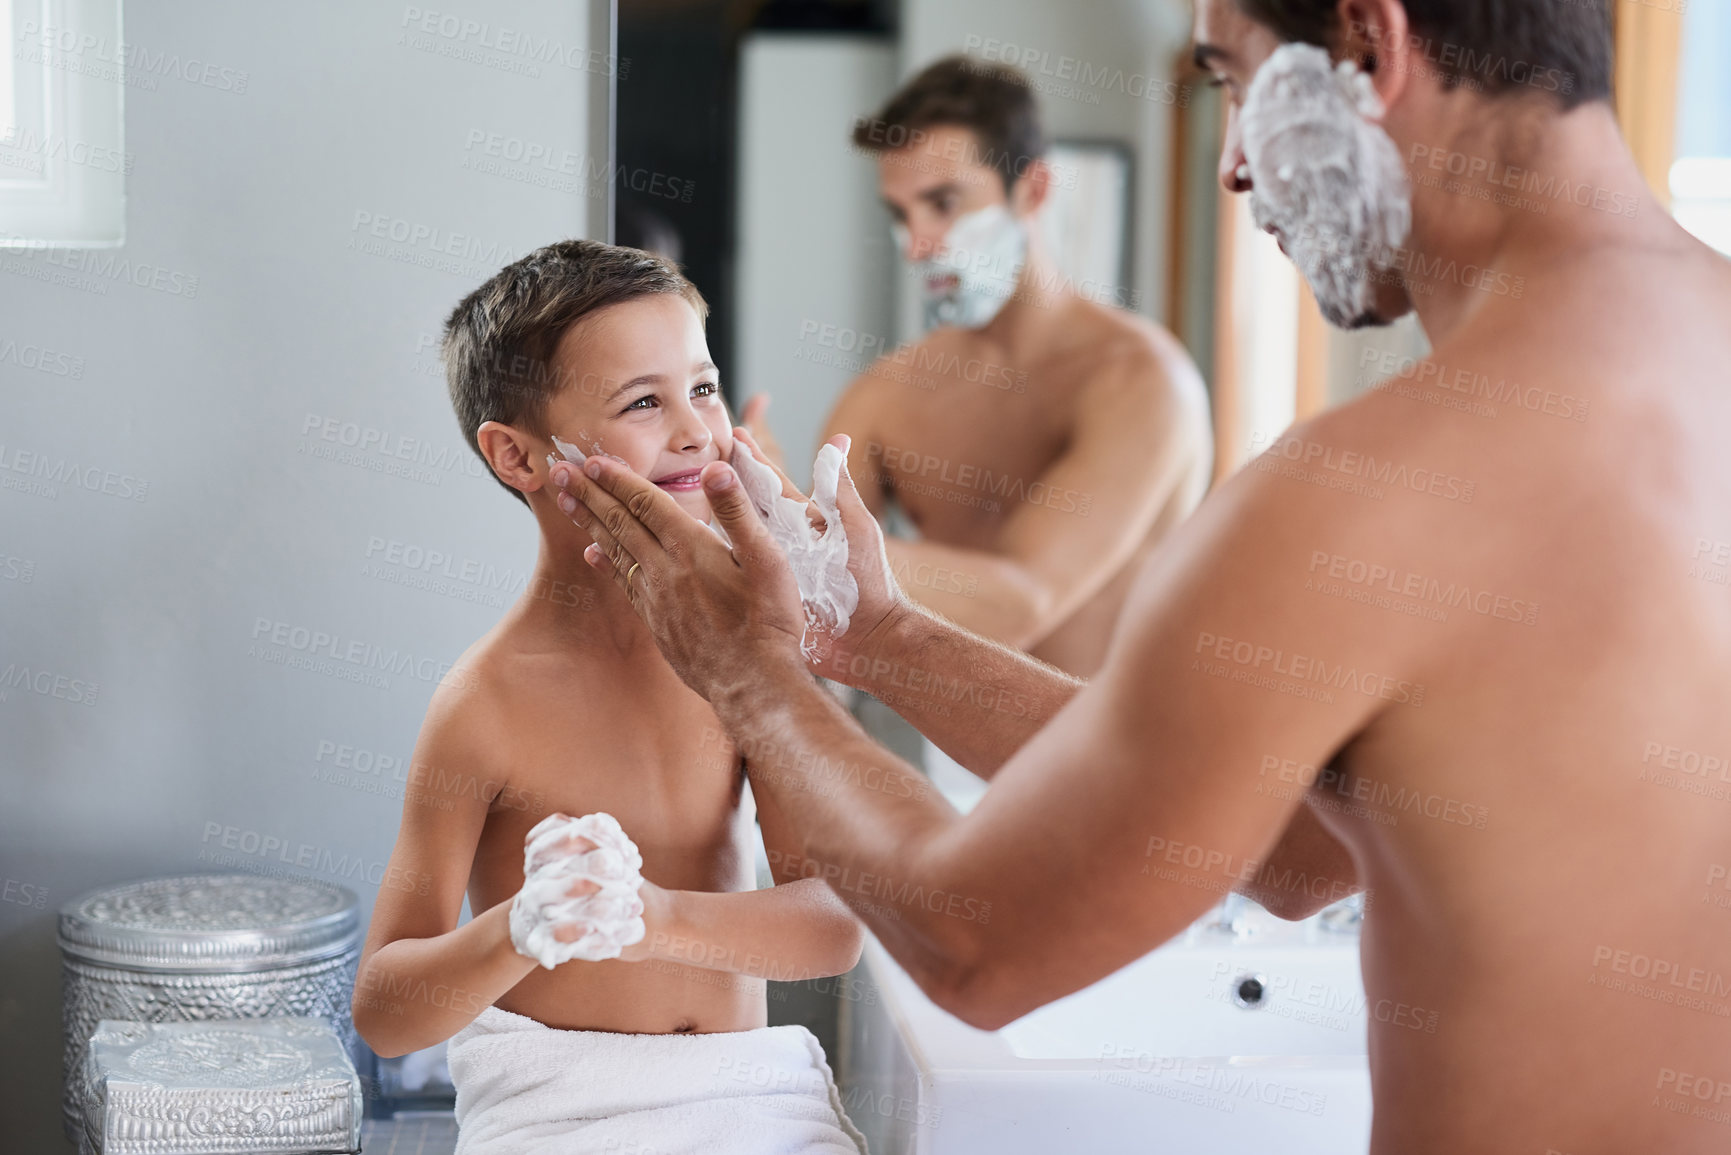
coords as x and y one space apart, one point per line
576 456
1325 174
819 560
610 918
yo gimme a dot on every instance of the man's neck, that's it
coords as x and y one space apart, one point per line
1037 302
1541 187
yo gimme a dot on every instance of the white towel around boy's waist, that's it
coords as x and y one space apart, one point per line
524 1087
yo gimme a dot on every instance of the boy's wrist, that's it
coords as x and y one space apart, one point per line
663 911
503 959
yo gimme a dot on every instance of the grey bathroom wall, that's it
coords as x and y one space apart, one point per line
232 439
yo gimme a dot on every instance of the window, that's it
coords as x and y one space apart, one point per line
1701 177
62 160
7 127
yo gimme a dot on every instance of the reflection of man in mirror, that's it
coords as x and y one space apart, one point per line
1039 440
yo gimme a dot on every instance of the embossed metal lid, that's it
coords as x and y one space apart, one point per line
210 922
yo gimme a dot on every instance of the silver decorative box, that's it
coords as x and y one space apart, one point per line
240 1087
200 947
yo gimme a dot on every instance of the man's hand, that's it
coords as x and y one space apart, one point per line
880 599
709 608
712 610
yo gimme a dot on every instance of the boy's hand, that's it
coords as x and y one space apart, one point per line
581 891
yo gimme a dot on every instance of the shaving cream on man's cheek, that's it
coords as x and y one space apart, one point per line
976 269
1326 176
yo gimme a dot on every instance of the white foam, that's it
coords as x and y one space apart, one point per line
568 451
609 920
818 558
1326 175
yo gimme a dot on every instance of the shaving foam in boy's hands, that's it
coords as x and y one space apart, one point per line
606 920
818 558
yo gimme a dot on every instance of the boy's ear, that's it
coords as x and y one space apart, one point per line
516 457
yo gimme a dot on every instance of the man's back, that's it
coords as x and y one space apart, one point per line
1541 810
964 434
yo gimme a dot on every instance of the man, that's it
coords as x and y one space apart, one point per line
1040 441
1474 659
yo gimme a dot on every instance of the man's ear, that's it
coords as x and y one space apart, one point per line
1373 34
516 457
1032 189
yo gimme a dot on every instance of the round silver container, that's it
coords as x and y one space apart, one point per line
205 946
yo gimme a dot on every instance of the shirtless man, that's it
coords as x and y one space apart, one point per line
1040 441
1537 796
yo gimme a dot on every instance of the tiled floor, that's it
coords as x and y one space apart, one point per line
411 1133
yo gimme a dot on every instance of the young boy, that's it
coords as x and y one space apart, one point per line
566 706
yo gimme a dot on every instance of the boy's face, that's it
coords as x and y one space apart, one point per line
639 384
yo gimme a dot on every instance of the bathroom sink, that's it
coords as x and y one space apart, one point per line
1216 1042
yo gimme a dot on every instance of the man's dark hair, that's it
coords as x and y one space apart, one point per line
500 340
1559 47
993 101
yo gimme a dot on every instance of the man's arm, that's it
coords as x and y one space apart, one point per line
978 700
1068 531
1060 876
1306 851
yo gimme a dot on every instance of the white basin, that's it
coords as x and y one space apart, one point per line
1158 1057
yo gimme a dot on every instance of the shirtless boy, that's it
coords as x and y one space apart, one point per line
566 705
1572 951
1040 441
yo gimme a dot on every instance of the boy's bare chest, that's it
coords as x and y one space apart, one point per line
669 776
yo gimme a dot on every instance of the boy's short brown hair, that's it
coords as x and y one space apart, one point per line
500 340
993 101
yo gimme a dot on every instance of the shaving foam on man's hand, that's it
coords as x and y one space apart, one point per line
605 921
818 558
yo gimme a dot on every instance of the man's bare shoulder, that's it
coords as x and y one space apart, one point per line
1128 353
1123 369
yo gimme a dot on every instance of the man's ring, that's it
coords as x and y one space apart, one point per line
631 571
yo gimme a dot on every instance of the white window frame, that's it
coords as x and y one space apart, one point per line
63 180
